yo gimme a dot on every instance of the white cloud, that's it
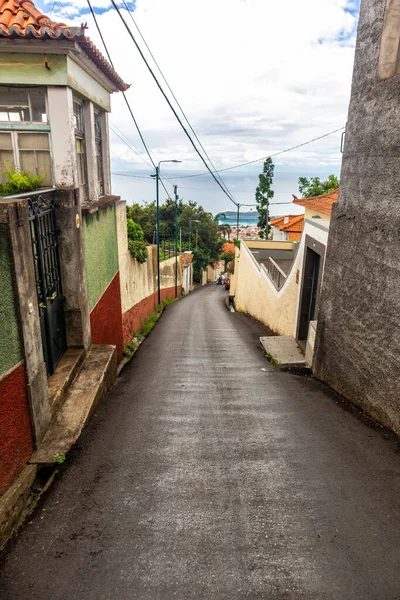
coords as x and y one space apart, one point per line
254 76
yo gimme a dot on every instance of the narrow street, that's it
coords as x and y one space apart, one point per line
208 473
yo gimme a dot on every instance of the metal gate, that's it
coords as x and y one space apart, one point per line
48 280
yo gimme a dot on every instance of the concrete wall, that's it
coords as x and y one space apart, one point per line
102 277
358 337
15 426
139 293
256 294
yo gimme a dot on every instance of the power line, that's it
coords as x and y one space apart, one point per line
170 105
250 162
174 97
124 95
125 141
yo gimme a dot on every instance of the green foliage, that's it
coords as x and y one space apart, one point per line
236 242
316 187
206 230
263 196
228 256
226 230
136 243
59 458
18 183
272 360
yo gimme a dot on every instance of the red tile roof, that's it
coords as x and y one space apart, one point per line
321 204
278 221
295 224
21 19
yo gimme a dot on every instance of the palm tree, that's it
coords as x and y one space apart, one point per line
219 215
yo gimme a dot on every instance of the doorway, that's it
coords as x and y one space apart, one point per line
309 297
48 279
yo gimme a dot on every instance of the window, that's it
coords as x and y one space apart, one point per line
99 152
22 106
26 151
80 145
24 148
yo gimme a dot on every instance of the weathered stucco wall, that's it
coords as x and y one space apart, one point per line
256 294
15 424
102 277
101 251
139 280
358 337
11 346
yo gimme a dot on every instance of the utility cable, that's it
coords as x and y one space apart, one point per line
169 103
124 95
174 97
129 146
250 162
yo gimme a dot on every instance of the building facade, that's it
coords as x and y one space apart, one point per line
59 267
358 337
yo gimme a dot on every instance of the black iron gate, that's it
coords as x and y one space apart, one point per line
48 280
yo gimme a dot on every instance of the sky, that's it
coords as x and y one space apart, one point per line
254 77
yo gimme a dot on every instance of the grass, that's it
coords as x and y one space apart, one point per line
273 360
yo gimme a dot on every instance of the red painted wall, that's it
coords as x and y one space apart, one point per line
106 318
15 426
134 318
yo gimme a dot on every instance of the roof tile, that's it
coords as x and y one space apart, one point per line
21 19
321 204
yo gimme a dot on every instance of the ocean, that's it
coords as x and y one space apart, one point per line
138 186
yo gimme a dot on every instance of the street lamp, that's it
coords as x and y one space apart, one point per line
190 230
157 176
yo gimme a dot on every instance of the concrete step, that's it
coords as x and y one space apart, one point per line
283 350
65 373
96 375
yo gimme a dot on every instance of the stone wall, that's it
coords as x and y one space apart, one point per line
358 338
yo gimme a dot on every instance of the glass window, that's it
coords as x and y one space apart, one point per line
80 145
99 152
34 154
6 154
27 106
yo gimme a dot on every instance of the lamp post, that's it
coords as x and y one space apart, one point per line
176 239
190 231
157 176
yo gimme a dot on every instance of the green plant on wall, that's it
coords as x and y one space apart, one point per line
136 243
17 183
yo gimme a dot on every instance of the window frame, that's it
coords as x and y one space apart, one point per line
81 157
28 91
99 146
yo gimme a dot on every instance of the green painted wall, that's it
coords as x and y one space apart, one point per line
101 251
29 69
10 346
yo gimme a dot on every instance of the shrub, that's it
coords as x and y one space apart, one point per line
18 183
136 243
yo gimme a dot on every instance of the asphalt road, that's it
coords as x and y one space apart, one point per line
207 473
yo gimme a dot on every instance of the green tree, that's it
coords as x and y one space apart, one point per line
316 187
145 216
264 194
136 243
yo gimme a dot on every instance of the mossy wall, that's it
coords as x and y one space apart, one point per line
101 252
10 347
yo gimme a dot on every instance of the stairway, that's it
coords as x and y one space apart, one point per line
75 389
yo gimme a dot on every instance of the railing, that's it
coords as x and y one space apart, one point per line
167 249
275 273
